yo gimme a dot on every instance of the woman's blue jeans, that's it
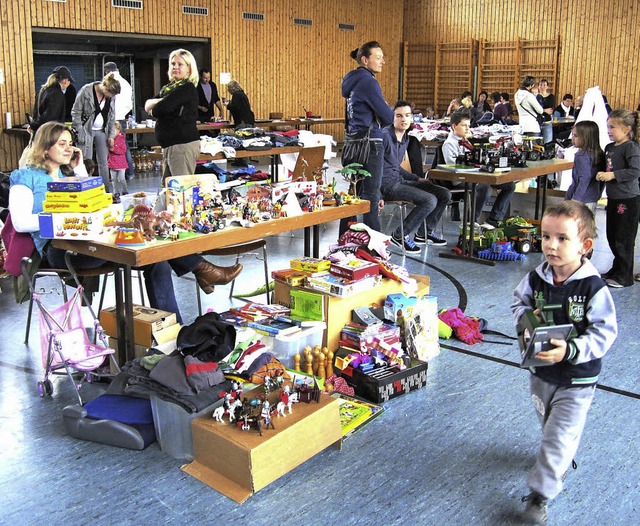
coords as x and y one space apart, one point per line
369 188
157 277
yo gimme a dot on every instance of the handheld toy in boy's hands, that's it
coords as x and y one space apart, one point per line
535 332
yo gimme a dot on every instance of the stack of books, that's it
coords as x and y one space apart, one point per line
360 338
355 412
340 279
270 320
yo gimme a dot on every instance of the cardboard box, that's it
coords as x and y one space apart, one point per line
92 204
355 269
337 311
146 321
398 302
308 264
78 225
337 286
78 197
239 463
74 184
379 390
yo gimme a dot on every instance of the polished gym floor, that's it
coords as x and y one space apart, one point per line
456 452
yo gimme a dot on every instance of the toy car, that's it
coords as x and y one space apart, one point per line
523 233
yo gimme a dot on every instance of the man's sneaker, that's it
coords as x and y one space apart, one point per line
409 245
637 276
434 240
613 283
536 510
487 226
494 222
419 240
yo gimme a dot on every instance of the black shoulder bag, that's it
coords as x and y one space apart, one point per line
356 144
542 118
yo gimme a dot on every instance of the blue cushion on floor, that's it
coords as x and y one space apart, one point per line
124 409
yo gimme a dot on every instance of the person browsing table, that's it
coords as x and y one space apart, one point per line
176 112
52 149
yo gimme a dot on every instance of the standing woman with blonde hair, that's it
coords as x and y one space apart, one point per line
176 112
94 117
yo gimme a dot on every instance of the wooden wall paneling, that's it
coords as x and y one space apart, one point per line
405 65
454 72
600 43
502 69
15 45
283 67
436 84
420 75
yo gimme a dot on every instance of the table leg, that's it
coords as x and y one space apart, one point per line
316 241
468 218
307 241
124 315
541 182
274 168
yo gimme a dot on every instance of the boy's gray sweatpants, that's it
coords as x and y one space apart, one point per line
562 412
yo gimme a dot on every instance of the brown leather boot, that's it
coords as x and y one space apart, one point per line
207 275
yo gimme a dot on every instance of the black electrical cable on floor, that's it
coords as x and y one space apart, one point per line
614 390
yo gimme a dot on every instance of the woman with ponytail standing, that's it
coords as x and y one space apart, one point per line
367 110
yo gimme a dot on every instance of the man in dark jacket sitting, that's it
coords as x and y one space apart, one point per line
398 184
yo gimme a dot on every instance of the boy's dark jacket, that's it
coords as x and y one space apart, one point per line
588 305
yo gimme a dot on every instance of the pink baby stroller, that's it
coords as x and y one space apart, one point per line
64 343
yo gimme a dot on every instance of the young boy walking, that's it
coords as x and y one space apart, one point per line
563 389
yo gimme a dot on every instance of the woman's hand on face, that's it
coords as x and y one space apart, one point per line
76 157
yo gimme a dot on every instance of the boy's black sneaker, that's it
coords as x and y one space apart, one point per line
536 510
409 245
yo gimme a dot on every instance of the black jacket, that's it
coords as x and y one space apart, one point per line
210 105
50 106
176 115
240 109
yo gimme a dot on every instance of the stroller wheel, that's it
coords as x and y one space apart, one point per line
45 388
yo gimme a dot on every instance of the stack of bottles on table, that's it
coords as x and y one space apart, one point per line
343 278
77 208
